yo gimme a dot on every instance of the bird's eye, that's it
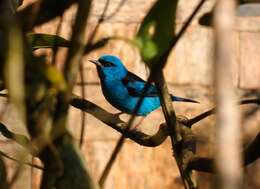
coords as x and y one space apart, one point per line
106 63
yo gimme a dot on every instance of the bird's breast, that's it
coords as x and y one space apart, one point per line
117 95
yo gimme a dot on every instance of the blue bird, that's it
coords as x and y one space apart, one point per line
123 89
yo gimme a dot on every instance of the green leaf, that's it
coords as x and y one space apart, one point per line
156 30
38 40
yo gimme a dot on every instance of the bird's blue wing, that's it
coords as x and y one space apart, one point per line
135 86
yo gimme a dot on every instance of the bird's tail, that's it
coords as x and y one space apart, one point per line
180 99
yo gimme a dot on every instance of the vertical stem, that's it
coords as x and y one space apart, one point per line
81 71
174 129
72 62
112 159
83 115
228 157
78 41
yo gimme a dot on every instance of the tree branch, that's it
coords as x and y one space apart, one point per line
181 154
116 123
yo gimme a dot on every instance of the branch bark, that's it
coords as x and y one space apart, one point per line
181 155
116 123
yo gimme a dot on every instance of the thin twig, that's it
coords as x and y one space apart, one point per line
58 31
110 162
24 163
203 115
100 20
83 115
117 9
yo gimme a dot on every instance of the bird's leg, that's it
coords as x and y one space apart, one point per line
134 127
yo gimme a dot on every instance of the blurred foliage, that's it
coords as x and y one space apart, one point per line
39 40
34 86
48 80
156 30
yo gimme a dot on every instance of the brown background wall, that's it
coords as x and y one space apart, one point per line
188 73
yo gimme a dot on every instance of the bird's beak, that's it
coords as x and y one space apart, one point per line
96 62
